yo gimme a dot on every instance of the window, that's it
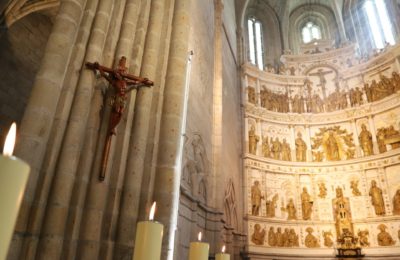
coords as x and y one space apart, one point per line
310 32
379 23
255 42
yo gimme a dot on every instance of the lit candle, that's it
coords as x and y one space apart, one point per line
13 177
148 238
222 255
198 250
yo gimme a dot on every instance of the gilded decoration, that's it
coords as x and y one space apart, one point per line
311 241
258 235
332 144
377 199
384 238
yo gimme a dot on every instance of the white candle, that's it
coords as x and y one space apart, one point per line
148 238
198 250
13 177
222 255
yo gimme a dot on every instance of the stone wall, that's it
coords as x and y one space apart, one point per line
21 50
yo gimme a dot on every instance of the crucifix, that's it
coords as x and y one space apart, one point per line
322 81
123 83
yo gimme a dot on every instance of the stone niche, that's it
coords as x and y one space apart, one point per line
310 175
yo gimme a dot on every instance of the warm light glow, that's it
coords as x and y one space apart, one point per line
10 140
199 236
152 211
223 249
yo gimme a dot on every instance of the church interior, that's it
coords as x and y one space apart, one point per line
270 126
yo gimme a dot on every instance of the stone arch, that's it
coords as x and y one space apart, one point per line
321 15
230 210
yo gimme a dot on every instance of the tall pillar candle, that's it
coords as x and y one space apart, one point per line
222 255
13 177
148 239
198 250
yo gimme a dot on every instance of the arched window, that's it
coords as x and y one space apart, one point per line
310 32
255 42
379 23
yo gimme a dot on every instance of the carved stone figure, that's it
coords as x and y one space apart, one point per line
396 203
301 148
251 92
365 138
298 104
341 212
256 198
318 156
258 235
265 147
384 238
322 190
377 199
285 238
291 210
271 205
286 151
396 81
279 237
363 237
317 105
253 140
293 238
306 204
327 238
311 241
356 97
380 136
391 133
332 148
354 188
271 237
276 149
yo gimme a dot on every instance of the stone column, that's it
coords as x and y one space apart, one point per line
355 137
51 243
245 95
307 140
373 133
39 113
90 245
57 132
167 179
138 141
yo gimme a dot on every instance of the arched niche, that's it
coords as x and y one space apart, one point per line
272 44
320 15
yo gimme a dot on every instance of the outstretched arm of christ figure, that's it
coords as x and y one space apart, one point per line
133 84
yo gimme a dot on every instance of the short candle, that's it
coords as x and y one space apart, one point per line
13 178
148 238
198 250
222 255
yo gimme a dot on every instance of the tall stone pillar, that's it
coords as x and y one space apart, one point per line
53 231
138 141
167 179
39 113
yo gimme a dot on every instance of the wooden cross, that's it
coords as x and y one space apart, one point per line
122 82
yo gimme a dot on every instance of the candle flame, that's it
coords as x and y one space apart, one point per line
152 211
223 249
199 236
10 140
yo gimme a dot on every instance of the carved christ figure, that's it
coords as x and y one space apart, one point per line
122 83
322 81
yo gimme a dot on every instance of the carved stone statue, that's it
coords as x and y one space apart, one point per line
286 151
342 214
265 147
291 210
332 148
322 190
279 237
363 237
354 188
301 148
276 149
256 198
380 136
384 238
258 235
306 204
311 241
327 238
271 205
396 203
377 199
285 237
251 92
293 238
271 237
356 97
253 140
365 138
391 133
